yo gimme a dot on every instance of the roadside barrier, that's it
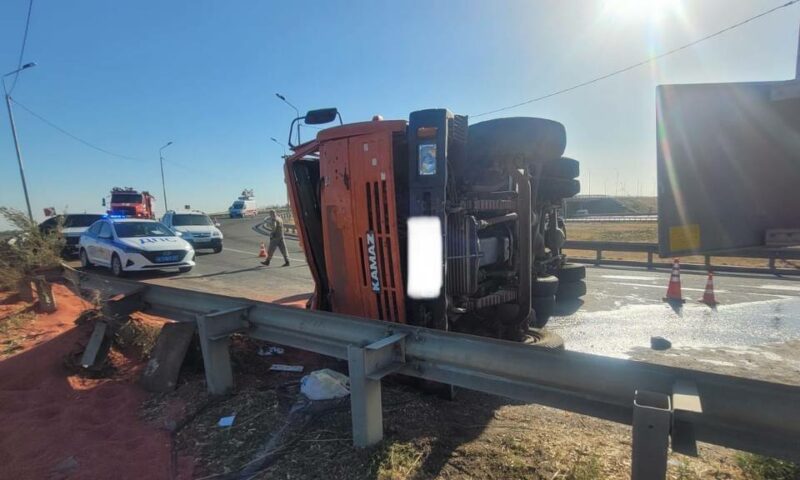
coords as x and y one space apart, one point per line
661 403
651 249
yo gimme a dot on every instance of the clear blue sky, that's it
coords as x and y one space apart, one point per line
130 76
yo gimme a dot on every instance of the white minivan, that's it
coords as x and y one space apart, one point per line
243 208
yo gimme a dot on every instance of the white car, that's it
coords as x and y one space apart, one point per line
72 227
134 244
196 228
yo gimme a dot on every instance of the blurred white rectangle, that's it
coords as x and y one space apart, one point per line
424 257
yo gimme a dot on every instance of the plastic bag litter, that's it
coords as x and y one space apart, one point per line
325 384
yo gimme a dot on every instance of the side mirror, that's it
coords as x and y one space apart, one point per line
217 224
178 233
323 115
103 201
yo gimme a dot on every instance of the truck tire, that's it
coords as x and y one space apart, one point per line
571 290
571 272
563 167
544 338
517 142
544 286
543 306
553 189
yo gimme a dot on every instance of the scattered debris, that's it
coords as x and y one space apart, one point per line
269 351
325 384
226 421
660 343
279 367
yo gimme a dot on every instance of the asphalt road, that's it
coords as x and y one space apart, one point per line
617 317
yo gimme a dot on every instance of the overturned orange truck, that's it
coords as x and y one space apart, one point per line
434 222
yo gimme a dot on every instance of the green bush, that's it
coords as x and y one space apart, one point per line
26 249
757 467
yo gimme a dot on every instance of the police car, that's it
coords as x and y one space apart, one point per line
134 244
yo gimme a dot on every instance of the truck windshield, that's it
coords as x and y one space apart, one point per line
184 220
142 229
238 204
126 198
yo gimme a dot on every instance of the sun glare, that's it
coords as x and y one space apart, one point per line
638 10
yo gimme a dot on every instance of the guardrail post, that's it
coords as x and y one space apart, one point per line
44 292
599 257
649 260
215 330
652 415
24 289
772 262
708 262
367 366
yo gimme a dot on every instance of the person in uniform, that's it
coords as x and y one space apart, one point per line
276 239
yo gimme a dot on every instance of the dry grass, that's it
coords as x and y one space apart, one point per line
30 250
138 336
11 328
644 232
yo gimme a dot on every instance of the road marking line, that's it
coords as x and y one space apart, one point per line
629 277
255 255
689 289
788 288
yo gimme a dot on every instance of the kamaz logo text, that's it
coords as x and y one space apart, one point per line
373 262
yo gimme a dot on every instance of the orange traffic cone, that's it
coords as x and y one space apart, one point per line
263 251
674 289
708 295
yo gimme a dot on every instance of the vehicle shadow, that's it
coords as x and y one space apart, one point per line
567 307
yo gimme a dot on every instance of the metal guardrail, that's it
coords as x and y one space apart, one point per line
660 402
651 249
636 217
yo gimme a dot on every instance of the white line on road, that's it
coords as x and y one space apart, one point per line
251 253
787 288
688 289
629 277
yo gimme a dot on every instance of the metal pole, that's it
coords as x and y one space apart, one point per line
296 111
163 183
19 154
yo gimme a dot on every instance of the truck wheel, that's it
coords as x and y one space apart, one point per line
563 167
515 141
545 339
543 306
557 188
571 272
544 286
217 249
85 263
116 266
571 290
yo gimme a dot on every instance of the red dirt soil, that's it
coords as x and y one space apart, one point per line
61 426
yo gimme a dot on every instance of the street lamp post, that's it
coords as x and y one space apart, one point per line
295 110
163 184
14 134
279 144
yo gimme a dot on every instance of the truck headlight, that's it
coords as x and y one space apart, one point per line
424 257
216 233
